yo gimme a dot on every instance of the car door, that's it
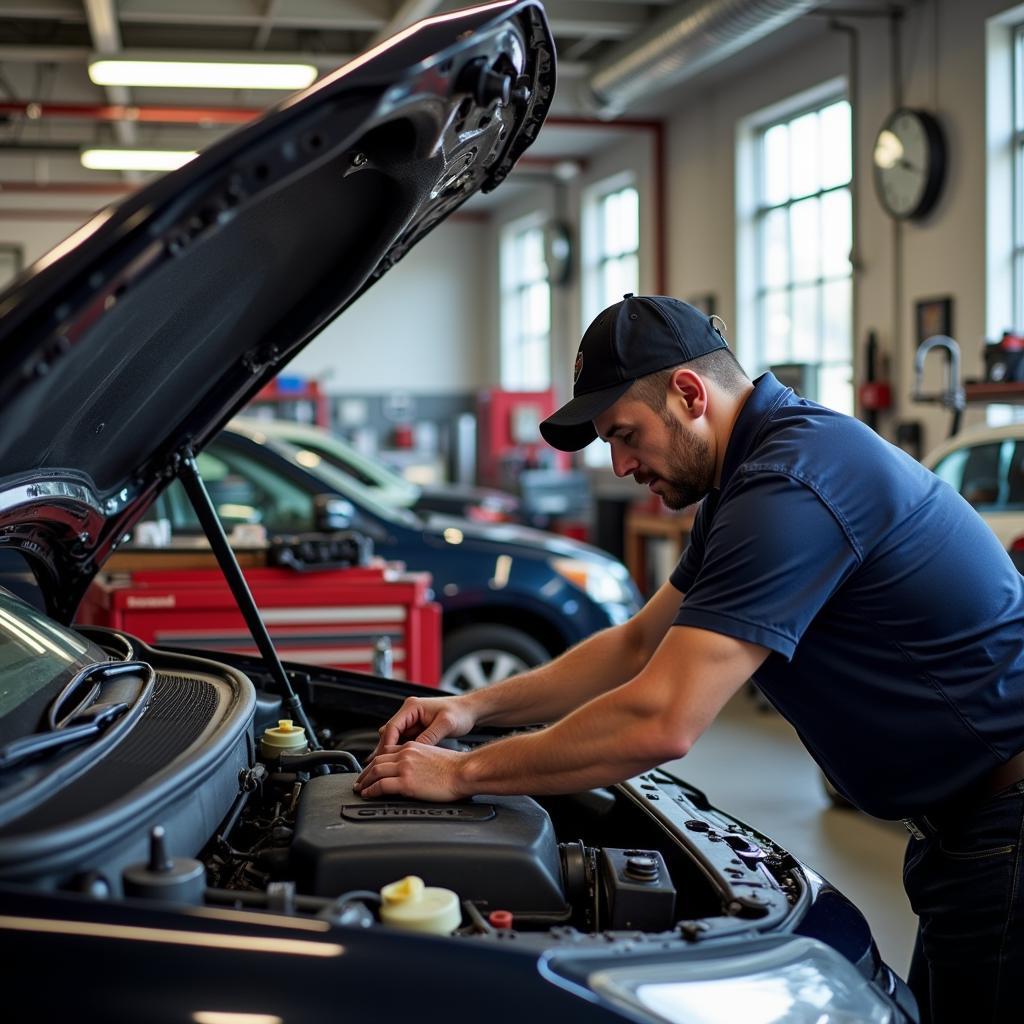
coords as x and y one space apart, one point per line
990 475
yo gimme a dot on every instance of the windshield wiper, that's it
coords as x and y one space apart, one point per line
82 726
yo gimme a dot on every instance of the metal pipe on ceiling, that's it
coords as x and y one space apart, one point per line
684 41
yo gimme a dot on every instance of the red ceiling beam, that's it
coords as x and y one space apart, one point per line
118 112
74 187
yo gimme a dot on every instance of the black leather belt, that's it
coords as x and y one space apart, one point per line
1006 775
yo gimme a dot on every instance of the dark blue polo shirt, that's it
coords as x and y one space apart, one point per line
894 618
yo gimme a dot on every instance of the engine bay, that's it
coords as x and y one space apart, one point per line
192 809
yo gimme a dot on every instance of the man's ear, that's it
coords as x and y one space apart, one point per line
689 389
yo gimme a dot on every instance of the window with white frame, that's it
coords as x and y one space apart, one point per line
611 244
1018 176
525 308
617 266
803 231
612 247
1004 200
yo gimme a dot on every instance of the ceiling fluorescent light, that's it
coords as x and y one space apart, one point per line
135 159
201 74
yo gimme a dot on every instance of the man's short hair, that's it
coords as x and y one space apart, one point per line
720 367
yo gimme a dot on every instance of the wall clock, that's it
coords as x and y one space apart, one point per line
910 163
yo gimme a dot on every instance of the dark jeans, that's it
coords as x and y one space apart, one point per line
964 883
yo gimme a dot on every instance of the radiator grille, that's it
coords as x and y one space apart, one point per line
180 709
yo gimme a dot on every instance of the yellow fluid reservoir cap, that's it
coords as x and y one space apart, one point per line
285 738
411 905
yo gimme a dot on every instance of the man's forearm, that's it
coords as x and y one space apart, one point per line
613 737
547 693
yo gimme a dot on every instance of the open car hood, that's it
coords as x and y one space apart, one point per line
140 335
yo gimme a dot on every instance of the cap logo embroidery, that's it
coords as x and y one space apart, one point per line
578 368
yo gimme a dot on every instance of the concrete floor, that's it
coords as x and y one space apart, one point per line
750 764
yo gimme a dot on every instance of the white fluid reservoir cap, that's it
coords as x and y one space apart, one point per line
284 738
415 907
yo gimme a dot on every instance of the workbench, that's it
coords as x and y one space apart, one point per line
642 525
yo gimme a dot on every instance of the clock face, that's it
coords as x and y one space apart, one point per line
908 162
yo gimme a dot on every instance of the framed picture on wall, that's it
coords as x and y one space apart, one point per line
933 316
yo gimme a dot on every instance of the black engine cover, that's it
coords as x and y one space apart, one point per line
498 850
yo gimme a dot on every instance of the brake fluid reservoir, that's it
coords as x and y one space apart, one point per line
411 905
284 738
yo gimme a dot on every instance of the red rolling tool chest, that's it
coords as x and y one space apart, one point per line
332 617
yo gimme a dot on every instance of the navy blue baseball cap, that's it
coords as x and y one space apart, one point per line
638 336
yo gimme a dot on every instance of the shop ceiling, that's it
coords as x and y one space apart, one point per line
617 59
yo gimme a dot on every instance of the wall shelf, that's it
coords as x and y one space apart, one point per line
994 391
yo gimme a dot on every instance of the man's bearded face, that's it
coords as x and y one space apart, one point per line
688 471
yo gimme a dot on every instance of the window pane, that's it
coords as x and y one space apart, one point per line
836 233
805 324
629 213
525 312
835 145
775 249
538 309
618 277
805 239
804 160
1018 74
1018 280
629 276
620 222
804 269
534 266
1019 176
836 342
535 364
616 268
775 158
835 387
777 328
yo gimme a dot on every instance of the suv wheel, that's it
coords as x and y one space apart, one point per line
476 656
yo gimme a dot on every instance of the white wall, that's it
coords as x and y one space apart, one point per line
421 328
36 237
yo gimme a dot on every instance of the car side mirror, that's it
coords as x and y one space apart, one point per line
331 513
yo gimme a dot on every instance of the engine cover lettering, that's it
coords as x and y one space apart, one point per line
418 812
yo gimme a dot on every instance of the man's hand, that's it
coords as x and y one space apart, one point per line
426 720
414 770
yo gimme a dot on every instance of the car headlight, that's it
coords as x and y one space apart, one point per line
800 981
600 582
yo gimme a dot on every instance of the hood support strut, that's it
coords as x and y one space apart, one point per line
200 498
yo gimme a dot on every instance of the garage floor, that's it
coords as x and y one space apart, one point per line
751 764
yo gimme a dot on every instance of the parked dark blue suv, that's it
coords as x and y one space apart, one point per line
511 596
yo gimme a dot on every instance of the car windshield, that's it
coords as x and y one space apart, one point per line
37 657
367 498
386 486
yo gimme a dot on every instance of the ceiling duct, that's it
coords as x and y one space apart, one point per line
685 40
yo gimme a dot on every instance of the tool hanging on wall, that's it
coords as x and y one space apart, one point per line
875 394
952 396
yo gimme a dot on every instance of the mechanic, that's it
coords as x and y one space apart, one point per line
869 602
